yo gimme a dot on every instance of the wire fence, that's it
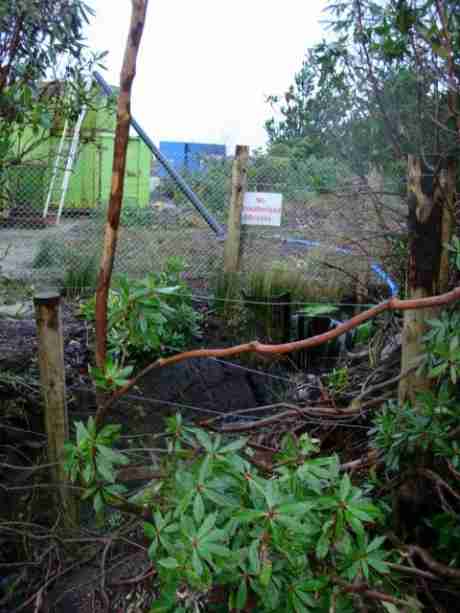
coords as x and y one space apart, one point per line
330 234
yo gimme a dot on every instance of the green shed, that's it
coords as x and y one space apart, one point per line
30 183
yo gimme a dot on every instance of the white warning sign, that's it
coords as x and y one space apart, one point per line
262 209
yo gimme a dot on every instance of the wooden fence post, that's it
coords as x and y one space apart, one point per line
52 378
239 183
431 202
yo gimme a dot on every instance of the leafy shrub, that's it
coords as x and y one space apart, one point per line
403 432
153 315
80 274
50 253
337 380
223 535
79 267
420 441
297 179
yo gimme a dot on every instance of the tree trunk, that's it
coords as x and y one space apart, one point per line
431 201
128 71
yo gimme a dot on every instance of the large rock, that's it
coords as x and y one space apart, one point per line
202 383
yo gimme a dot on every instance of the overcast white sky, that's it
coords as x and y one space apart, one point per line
206 66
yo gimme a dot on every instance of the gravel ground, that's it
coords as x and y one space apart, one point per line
147 241
19 247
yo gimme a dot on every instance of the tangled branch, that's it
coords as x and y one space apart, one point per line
393 304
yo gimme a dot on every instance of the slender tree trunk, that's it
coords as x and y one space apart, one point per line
431 201
139 8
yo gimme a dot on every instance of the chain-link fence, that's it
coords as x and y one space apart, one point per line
332 229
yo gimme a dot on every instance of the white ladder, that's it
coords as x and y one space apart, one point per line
59 156
70 158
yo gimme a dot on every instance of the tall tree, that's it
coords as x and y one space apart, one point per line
394 67
128 72
40 42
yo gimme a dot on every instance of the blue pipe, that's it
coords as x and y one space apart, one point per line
384 276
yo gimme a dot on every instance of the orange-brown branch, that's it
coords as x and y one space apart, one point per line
128 72
394 304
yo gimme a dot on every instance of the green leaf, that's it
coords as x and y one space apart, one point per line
197 564
82 432
114 457
98 503
214 535
109 431
234 446
242 595
266 573
184 503
105 469
298 605
149 530
314 585
152 550
293 525
204 469
345 487
355 524
360 513
116 489
296 508
249 516
207 525
169 563
315 310
204 439
376 543
322 547
438 370
390 607
162 606
89 493
88 472
198 508
306 599
378 564
218 550
253 555
219 499
168 290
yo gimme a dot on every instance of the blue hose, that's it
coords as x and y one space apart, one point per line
384 276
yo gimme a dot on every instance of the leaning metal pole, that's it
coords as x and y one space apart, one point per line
182 185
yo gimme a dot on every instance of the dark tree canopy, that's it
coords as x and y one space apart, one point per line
386 86
41 41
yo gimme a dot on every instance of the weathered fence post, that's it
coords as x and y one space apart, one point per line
239 183
431 201
52 378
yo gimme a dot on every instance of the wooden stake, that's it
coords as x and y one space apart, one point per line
52 378
128 71
239 183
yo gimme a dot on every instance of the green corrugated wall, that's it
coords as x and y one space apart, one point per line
90 183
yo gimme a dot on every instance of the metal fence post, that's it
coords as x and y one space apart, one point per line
52 377
239 184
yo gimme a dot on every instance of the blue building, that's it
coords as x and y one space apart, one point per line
189 156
